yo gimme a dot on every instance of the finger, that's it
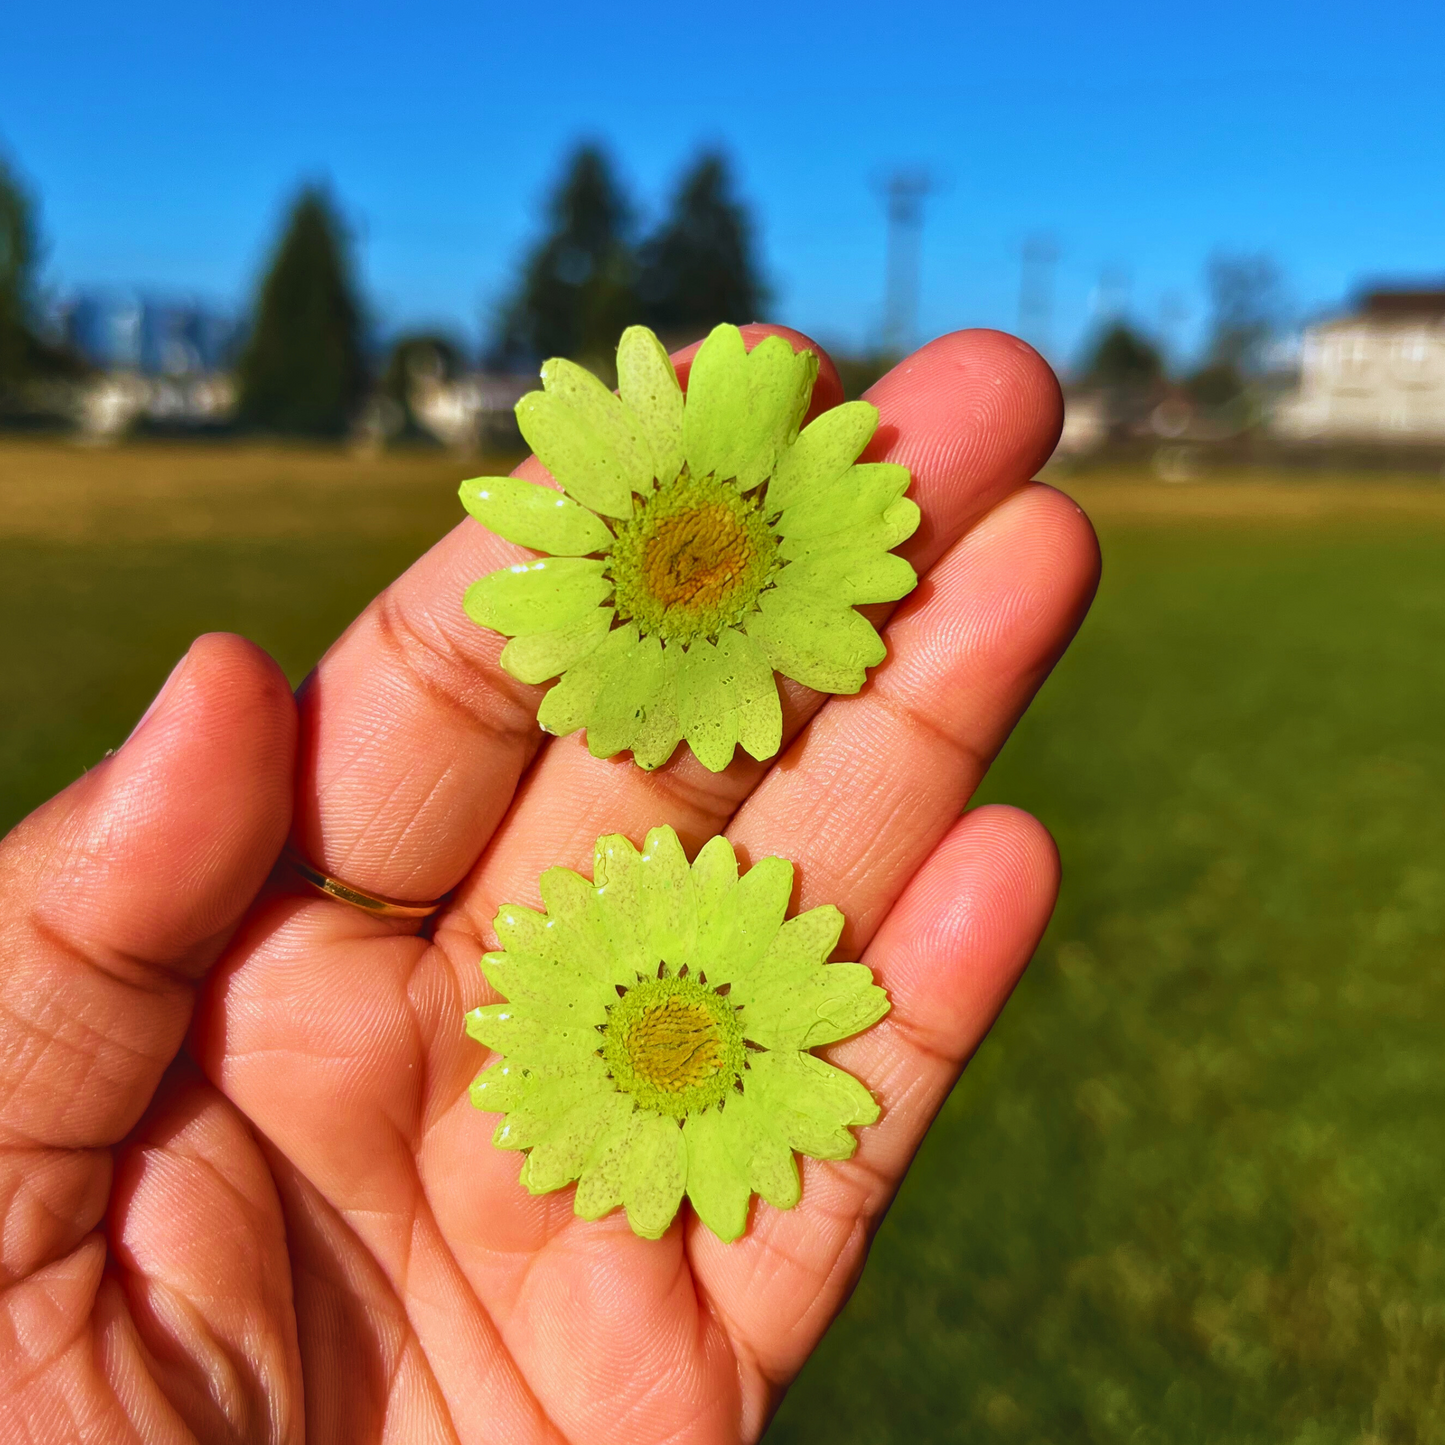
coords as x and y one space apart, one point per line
949 954
118 894
413 737
859 802
971 415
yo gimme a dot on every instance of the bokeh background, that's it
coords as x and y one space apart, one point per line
271 278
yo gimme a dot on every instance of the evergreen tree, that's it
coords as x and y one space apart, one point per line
576 292
1121 358
18 256
303 371
699 269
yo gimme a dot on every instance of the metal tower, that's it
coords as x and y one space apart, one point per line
903 193
1036 292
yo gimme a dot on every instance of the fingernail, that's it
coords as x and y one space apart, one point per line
160 697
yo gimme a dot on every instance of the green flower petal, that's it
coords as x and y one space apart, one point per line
534 516
537 596
549 1099
599 1190
654 1175
738 1151
772 1170
734 934
669 904
861 495
617 883
629 690
536 656
809 1103
502 1086
717 403
780 386
648 385
660 733
800 946
825 449
557 992
714 876
528 1038
829 648
587 438
573 906
837 1001
717 1170
725 695
641 1164
521 930
706 708
882 534
568 705
744 408
855 576
760 713
568 1149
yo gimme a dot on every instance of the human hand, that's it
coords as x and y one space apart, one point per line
314 1237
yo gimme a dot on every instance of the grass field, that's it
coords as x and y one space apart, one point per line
1193 1187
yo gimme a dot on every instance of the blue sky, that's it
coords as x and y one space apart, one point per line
164 138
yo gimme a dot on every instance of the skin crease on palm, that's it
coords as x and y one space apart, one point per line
245 1194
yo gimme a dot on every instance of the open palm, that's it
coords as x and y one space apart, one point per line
296 1226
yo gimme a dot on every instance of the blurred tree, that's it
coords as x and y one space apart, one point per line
24 355
1246 295
699 268
303 370
577 290
17 281
417 359
1123 359
1215 385
858 371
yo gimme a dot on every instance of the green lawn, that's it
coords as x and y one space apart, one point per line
1191 1189
1193 1186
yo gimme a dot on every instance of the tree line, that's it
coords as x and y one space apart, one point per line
590 274
1247 312
306 365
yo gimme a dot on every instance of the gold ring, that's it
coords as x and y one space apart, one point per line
372 903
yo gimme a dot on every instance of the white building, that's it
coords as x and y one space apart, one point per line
1375 376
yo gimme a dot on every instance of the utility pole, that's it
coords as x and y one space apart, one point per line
1036 292
903 192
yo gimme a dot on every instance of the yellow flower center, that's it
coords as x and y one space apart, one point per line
695 556
692 559
674 1044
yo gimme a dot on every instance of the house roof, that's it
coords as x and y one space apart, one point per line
1387 303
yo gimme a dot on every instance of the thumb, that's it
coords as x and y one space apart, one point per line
114 898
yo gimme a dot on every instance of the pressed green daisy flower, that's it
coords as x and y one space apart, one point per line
702 543
657 1031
